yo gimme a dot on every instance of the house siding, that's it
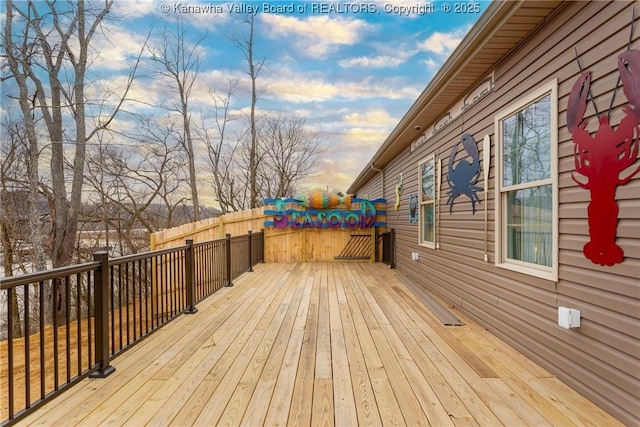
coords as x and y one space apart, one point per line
373 188
601 358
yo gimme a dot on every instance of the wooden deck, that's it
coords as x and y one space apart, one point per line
340 344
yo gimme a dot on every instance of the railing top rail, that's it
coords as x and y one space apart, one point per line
135 257
208 242
13 281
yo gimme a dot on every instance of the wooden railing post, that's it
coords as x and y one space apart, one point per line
101 299
250 236
228 243
190 274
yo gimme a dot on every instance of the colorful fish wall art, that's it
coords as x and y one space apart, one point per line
319 199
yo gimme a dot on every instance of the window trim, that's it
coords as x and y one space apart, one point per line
501 260
425 243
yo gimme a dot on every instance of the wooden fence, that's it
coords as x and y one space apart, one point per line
235 223
280 245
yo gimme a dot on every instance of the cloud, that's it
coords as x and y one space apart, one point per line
289 86
315 36
115 48
381 61
375 118
333 174
201 14
135 9
443 43
366 138
431 63
391 55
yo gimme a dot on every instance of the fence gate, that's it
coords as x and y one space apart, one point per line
389 248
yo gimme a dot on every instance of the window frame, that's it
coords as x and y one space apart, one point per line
421 241
501 215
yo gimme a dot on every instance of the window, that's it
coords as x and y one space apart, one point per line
527 190
427 191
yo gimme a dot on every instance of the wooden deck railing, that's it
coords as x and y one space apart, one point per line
74 320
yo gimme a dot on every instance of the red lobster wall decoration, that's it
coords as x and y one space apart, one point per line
601 158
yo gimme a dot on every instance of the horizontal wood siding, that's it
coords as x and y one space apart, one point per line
373 189
601 358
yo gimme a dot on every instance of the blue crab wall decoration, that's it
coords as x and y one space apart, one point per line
464 176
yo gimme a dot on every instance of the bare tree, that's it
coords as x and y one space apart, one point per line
246 46
19 59
11 190
178 61
289 154
49 60
135 187
221 151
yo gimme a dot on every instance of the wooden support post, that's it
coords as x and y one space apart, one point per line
101 299
189 277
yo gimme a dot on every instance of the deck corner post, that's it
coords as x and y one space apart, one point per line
189 277
228 247
250 237
101 293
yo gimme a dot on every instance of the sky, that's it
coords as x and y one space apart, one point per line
351 70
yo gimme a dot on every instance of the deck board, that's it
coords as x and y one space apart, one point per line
320 344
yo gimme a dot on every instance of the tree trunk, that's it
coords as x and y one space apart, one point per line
254 138
192 163
20 71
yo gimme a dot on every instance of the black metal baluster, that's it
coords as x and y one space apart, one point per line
10 349
112 293
55 332
127 299
42 343
89 335
27 348
79 319
67 320
120 292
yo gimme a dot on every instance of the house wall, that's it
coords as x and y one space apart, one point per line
373 188
601 358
